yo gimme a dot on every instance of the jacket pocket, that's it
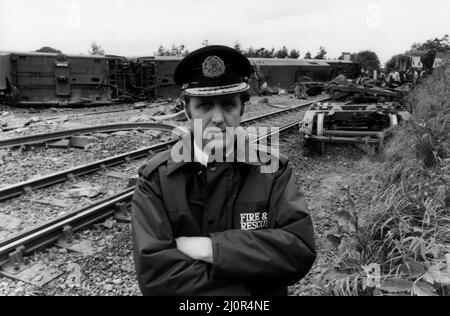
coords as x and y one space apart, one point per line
251 216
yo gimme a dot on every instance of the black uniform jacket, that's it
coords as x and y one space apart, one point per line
262 235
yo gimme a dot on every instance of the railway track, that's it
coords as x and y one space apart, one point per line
18 246
70 174
53 136
13 249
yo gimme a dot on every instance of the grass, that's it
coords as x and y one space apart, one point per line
403 247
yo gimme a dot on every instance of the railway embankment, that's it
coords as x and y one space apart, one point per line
397 242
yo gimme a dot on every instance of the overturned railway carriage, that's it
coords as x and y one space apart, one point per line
28 79
284 73
165 86
56 79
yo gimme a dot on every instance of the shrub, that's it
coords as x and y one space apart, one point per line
403 246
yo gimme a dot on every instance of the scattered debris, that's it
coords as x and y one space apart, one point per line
140 105
154 133
139 118
100 135
4 234
74 278
8 222
279 106
16 124
37 274
180 116
83 246
82 185
350 123
3 152
132 181
51 201
116 175
58 120
89 192
165 138
109 223
120 133
362 93
35 119
122 216
82 141
63 143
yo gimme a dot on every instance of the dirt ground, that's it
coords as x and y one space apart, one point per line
324 179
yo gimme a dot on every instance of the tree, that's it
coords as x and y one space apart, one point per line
237 47
308 55
175 50
47 49
294 54
205 43
282 53
96 50
321 54
391 63
259 52
367 59
441 45
265 53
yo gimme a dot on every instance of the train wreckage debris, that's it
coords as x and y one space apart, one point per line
351 123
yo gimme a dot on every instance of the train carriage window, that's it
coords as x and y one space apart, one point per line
95 79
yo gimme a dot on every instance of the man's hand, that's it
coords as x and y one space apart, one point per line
198 248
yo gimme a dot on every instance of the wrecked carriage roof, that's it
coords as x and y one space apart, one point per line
107 57
288 62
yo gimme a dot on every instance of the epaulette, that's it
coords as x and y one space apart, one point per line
154 163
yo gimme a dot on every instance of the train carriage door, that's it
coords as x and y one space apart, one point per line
62 73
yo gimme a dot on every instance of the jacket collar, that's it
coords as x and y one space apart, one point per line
187 143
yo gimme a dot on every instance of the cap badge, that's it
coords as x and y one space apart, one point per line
213 67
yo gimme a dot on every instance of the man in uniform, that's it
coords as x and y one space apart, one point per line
205 227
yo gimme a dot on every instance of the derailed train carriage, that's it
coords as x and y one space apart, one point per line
54 79
367 124
284 73
68 80
28 79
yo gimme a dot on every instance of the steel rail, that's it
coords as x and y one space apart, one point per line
50 232
62 176
47 233
108 128
282 111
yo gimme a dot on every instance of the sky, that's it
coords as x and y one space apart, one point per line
139 27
